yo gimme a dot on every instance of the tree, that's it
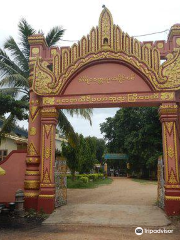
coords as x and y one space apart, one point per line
10 105
86 153
17 108
14 73
82 156
72 158
100 149
136 132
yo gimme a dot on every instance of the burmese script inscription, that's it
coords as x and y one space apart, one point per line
120 78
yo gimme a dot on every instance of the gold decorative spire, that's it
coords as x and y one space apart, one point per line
106 29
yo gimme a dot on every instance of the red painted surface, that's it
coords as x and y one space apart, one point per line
107 78
15 166
47 205
87 78
31 203
172 208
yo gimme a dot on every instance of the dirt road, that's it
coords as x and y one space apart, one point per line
86 205
122 191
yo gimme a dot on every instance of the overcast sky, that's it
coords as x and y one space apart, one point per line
79 16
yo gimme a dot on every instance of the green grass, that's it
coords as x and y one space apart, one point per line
142 181
79 184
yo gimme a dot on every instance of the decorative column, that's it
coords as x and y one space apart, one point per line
32 175
46 199
170 129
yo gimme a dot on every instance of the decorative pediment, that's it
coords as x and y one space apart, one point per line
105 42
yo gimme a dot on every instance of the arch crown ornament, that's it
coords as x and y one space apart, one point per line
107 41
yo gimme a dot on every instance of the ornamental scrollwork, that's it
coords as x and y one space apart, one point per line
106 42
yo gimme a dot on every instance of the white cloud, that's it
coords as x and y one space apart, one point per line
99 116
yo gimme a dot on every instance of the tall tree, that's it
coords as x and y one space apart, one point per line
14 73
136 132
100 149
71 155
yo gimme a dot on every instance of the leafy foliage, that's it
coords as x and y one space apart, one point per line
14 74
83 155
136 132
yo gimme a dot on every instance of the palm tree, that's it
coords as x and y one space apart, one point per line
14 74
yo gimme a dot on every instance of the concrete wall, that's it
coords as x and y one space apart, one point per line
15 167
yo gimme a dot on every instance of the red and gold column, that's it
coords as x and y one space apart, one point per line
170 129
46 200
32 175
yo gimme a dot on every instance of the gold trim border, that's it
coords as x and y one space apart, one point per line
31 184
46 196
174 198
172 186
32 173
31 195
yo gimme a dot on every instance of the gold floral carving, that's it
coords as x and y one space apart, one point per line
32 160
178 41
171 69
31 184
160 45
48 100
53 51
43 77
31 150
32 131
169 56
172 178
47 152
168 109
35 51
32 173
31 194
170 152
56 85
34 110
167 96
47 129
46 179
49 112
169 126
105 29
105 42
38 39
148 45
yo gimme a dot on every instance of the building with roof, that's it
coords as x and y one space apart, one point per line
18 139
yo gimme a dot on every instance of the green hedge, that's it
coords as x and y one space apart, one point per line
94 176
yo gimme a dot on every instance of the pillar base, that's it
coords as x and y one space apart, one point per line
46 203
172 205
31 203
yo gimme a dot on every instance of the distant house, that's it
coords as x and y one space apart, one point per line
59 139
13 141
18 139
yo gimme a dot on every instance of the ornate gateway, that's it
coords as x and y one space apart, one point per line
106 68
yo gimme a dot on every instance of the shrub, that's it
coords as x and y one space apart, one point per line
84 179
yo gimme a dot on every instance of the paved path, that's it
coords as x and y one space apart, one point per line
122 203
